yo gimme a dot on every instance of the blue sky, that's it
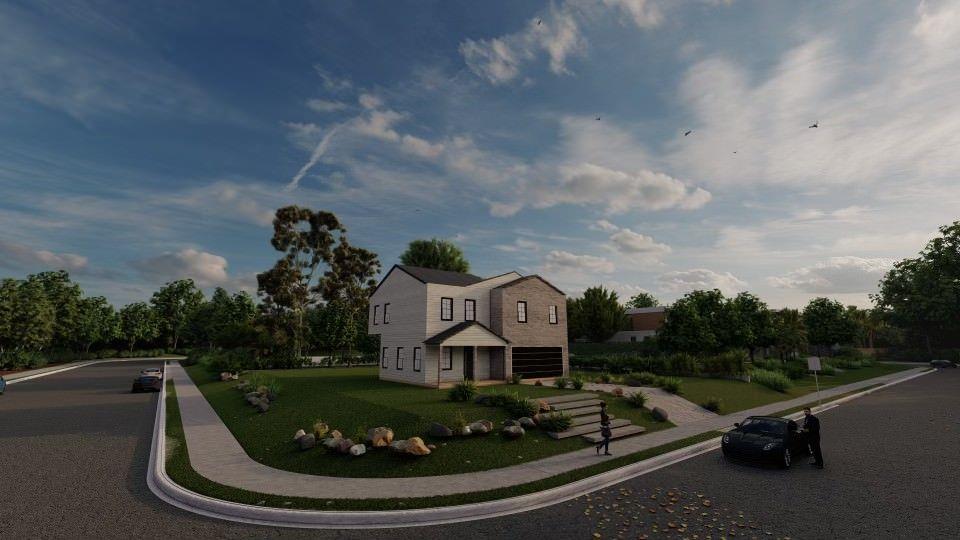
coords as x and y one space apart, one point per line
144 142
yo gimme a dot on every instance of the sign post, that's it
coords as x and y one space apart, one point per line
813 364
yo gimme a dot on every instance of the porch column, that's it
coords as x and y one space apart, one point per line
439 361
476 362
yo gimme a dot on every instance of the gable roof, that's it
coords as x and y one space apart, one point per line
524 278
456 329
441 277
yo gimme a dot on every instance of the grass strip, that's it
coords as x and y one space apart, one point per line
798 408
180 471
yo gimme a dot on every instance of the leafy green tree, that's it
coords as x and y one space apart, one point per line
174 303
642 300
435 253
34 317
600 314
790 335
698 323
8 299
64 296
827 323
575 324
138 323
96 322
751 323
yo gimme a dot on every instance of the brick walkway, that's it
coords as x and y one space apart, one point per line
216 454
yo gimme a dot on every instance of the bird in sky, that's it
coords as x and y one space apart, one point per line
598 117
689 131
539 21
734 151
815 124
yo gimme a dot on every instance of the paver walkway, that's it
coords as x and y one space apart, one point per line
216 454
679 411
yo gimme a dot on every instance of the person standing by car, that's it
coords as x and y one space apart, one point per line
811 426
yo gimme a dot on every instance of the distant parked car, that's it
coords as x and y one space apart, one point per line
942 363
144 383
152 372
765 439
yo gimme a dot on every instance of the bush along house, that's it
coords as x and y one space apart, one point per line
440 327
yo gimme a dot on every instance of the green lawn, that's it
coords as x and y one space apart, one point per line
349 399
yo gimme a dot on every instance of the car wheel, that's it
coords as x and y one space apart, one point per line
786 459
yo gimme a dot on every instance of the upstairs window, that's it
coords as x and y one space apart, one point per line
383 358
417 358
386 313
447 363
553 314
376 315
446 309
521 311
399 358
469 310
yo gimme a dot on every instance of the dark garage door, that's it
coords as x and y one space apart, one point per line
533 362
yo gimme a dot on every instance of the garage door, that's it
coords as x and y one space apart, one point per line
533 362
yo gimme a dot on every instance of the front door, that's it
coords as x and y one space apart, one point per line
468 363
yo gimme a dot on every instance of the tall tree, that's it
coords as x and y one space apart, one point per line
575 323
8 299
138 323
827 323
790 335
435 253
600 314
306 239
34 317
752 323
64 296
96 322
173 304
642 300
698 323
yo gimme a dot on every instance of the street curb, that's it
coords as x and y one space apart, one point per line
171 492
29 377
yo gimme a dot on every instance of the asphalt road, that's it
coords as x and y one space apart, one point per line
74 448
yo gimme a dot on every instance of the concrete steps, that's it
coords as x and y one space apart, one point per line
588 419
618 433
588 428
571 405
570 397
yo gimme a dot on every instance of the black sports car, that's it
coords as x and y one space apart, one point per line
144 383
765 439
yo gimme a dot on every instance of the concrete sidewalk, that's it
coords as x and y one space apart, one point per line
679 411
216 454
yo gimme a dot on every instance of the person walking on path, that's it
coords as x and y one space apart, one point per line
604 430
811 426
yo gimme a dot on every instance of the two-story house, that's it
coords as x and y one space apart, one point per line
438 327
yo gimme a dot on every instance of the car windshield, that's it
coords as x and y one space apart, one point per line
763 426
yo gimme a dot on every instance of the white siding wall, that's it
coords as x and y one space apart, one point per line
407 327
478 291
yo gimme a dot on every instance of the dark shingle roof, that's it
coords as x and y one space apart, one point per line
456 329
525 278
442 277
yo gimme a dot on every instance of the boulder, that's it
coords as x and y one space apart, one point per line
335 434
380 437
439 430
226 376
307 441
358 450
513 432
344 445
466 430
527 423
659 414
481 426
263 405
482 399
416 447
331 442
272 396
432 446
298 434
399 446
508 423
253 400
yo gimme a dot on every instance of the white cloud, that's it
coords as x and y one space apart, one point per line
206 269
836 276
370 101
326 106
643 13
564 261
683 281
318 152
632 243
14 255
331 82
522 245
604 225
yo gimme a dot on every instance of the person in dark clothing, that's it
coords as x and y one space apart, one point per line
811 426
605 431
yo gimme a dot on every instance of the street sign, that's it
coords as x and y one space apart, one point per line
813 363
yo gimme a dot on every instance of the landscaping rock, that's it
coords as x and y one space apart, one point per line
481 426
298 434
543 405
253 400
344 445
527 423
659 414
482 399
331 442
466 430
263 405
336 434
307 441
380 437
416 447
513 432
432 447
439 431
508 423
225 376
358 450
262 390
399 446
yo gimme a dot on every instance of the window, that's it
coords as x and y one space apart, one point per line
521 311
446 309
383 358
469 310
553 314
400 358
416 358
376 315
447 364
386 313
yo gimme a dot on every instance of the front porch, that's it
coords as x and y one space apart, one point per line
469 351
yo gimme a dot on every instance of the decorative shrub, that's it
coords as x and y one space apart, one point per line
795 370
727 363
577 382
670 384
644 378
320 429
561 382
843 362
462 391
636 399
538 383
515 378
827 369
682 364
519 407
459 422
712 403
555 422
604 378
773 380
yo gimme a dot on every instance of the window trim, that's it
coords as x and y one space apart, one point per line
383 358
376 314
524 304
473 303
400 358
553 316
417 359
386 314
442 301
448 354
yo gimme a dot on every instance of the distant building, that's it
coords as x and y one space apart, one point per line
644 323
